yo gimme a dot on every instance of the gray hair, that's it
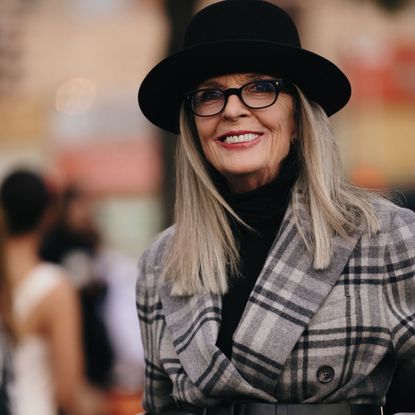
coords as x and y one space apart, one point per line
203 252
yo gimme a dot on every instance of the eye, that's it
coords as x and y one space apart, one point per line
261 87
207 95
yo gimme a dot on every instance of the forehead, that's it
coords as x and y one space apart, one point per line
235 79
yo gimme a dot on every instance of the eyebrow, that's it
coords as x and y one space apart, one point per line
249 77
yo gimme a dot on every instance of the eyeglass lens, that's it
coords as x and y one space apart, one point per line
257 94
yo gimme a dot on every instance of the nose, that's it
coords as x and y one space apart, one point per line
234 108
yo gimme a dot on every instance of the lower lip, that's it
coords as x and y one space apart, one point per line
240 146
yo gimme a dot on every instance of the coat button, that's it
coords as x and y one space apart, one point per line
325 374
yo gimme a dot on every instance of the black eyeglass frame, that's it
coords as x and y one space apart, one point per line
279 84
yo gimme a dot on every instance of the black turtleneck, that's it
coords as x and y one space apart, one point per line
263 209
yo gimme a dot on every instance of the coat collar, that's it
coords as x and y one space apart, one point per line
287 294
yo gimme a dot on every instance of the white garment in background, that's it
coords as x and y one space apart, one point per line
32 389
119 271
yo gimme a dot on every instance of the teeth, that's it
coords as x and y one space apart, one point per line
243 138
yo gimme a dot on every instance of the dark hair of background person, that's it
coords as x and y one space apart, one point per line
24 198
62 237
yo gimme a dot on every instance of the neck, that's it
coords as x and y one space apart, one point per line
21 255
243 184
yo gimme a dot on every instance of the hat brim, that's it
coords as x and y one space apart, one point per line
162 91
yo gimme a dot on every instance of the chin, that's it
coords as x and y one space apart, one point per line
240 174
243 171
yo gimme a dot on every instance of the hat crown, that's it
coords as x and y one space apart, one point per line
232 20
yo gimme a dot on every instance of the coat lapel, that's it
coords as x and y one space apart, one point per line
287 294
193 323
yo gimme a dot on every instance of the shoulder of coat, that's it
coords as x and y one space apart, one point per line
393 216
152 260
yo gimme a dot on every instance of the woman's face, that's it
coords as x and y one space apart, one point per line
263 135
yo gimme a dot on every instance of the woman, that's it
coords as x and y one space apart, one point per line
39 311
280 288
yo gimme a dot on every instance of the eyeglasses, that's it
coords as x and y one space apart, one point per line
207 102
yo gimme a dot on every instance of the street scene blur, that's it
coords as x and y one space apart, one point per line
69 76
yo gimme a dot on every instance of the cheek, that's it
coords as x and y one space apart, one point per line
205 129
280 117
279 149
211 152
282 133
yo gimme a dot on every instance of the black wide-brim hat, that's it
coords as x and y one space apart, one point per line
236 36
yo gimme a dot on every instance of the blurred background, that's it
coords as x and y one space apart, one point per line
70 70
69 75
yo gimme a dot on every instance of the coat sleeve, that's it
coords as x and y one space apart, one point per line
399 286
157 384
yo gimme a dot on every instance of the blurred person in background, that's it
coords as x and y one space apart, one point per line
105 280
281 288
72 241
39 310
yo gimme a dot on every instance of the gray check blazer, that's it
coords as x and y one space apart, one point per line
305 335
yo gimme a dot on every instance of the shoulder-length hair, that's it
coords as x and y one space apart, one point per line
203 252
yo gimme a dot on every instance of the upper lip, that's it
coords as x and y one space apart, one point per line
233 133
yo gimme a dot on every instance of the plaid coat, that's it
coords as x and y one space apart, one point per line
305 335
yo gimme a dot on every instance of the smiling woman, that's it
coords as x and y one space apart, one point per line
247 140
278 278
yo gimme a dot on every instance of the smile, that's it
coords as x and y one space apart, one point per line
243 138
238 137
